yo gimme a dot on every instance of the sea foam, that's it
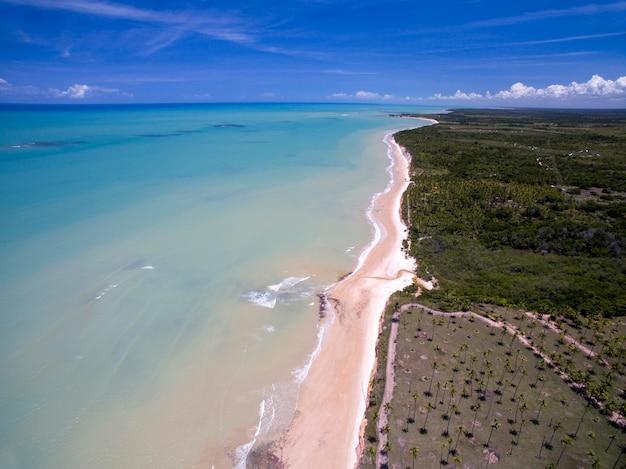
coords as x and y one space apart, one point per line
283 291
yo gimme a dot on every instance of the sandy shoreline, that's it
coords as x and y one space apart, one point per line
327 424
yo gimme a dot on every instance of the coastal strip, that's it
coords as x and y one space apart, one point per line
328 422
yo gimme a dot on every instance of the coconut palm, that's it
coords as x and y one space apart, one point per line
413 452
443 396
460 429
518 383
429 407
582 418
450 398
415 397
435 367
519 401
443 445
463 348
438 386
566 442
556 425
477 407
542 404
386 447
494 426
490 374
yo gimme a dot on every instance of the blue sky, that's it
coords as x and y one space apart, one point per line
567 53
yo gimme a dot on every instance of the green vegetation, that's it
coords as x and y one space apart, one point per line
524 208
518 357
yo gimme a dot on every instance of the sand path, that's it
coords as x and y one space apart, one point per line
327 425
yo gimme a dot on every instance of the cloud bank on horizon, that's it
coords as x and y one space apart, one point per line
596 86
55 51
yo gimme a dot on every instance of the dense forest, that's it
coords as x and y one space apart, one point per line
520 208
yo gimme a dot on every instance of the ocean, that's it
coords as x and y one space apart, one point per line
161 267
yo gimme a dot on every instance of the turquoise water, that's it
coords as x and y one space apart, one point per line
160 267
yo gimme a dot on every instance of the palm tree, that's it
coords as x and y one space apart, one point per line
386 447
582 418
460 429
505 367
435 367
519 401
523 408
473 359
450 398
502 334
443 396
556 425
370 452
413 452
494 426
519 432
507 381
471 374
438 386
518 383
415 396
566 441
542 405
619 456
432 337
443 445
612 438
490 374
429 407
477 407
457 459
463 348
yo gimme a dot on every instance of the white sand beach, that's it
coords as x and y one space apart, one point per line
328 422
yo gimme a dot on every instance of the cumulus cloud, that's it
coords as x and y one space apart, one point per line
78 91
596 86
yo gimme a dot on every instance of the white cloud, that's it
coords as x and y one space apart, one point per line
459 95
339 95
596 86
75 91
362 95
78 91
3 81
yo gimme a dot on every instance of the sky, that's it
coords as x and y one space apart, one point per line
472 53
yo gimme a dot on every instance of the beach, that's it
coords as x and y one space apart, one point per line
328 423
